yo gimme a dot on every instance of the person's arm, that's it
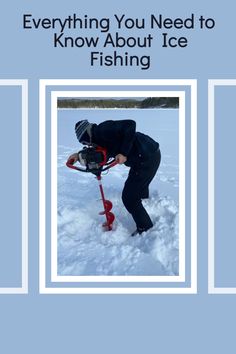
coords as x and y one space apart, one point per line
127 133
120 132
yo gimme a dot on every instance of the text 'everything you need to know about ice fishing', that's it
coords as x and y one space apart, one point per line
119 40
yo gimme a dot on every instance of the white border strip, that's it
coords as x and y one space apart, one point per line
117 291
194 185
212 289
116 82
42 256
24 212
42 186
211 188
54 188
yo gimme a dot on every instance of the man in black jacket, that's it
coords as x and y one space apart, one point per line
136 150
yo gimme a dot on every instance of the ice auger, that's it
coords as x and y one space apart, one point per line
94 159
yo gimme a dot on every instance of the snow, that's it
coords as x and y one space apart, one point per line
84 248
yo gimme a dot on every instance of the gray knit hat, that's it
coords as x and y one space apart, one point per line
83 131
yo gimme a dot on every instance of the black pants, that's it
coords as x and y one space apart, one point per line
136 189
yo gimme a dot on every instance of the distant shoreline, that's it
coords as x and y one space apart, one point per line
121 103
119 109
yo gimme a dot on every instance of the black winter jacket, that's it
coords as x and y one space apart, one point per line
120 137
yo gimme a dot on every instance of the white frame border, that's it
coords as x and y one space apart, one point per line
24 190
42 255
212 289
181 133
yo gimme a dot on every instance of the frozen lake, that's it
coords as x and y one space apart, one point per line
83 247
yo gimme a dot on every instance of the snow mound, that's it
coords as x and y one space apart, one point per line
84 248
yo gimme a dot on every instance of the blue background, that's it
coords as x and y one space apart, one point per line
225 192
87 324
10 186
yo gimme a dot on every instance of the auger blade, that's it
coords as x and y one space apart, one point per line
110 218
107 207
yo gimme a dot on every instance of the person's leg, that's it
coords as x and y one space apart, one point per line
136 188
145 193
147 172
132 201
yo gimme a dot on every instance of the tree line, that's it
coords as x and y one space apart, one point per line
150 102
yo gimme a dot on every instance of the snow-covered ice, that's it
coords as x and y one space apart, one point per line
83 247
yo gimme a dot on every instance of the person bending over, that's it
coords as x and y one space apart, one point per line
134 149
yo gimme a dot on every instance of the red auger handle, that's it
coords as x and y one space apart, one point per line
70 164
109 165
113 163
